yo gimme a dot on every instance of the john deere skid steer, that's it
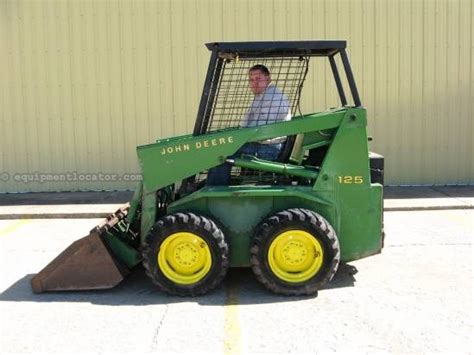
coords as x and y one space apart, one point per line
293 220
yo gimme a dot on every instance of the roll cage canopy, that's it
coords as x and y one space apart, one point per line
279 48
225 96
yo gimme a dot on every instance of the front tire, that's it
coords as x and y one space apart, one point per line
295 252
186 254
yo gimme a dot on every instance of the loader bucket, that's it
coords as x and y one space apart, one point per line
86 264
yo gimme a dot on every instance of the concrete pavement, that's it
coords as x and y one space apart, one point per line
42 205
415 297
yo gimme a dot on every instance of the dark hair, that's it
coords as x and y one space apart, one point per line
260 67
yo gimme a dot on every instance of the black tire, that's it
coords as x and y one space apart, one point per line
180 224
302 221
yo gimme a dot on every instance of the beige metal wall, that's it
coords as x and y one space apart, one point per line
84 82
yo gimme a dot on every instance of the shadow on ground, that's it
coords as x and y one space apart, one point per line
240 287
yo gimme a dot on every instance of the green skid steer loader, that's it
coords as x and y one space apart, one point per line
293 219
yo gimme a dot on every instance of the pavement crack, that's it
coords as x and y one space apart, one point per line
154 342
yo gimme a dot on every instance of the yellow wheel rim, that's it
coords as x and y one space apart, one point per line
295 256
184 258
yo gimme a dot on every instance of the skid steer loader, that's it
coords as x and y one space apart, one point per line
293 220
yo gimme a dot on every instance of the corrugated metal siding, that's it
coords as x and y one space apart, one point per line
84 82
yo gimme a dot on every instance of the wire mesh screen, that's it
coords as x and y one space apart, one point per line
236 105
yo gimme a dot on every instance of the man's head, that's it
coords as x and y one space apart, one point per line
259 78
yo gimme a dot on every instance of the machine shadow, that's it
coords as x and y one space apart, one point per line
240 287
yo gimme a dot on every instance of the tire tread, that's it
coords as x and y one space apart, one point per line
264 232
186 221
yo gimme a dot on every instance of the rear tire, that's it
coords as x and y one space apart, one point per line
295 252
186 254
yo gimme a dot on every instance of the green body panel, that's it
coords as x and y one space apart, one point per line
238 211
341 191
122 250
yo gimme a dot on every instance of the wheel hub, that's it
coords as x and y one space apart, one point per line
295 256
186 254
294 252
184 258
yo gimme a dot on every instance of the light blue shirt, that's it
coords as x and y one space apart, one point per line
269 107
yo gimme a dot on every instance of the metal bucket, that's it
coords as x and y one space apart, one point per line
86 264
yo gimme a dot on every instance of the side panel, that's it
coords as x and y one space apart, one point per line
239 213
357 220
346 171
